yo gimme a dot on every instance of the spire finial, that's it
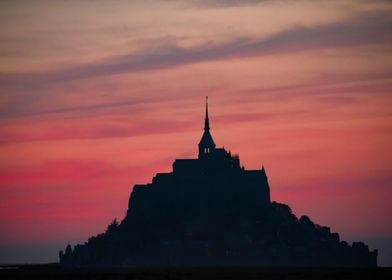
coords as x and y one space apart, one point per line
207 121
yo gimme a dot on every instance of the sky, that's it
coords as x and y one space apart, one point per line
96 96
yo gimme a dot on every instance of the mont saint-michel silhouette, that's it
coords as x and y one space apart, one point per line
212 212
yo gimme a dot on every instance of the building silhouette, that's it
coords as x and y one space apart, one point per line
211 211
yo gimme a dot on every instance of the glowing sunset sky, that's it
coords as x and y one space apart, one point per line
96 96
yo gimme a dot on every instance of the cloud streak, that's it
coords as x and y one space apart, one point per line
23 90
366 30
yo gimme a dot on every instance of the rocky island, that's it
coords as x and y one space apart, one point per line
212 212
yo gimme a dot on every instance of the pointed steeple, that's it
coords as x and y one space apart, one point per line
207 121
206 144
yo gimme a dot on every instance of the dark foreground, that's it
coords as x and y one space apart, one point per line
56 272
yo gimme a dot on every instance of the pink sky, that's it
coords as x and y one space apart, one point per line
97 96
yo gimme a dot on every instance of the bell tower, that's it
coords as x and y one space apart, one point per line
206 144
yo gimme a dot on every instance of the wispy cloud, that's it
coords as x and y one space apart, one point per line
366 30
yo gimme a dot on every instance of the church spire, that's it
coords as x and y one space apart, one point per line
207 121
206 144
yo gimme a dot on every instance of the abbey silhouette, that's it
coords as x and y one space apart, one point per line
211 211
